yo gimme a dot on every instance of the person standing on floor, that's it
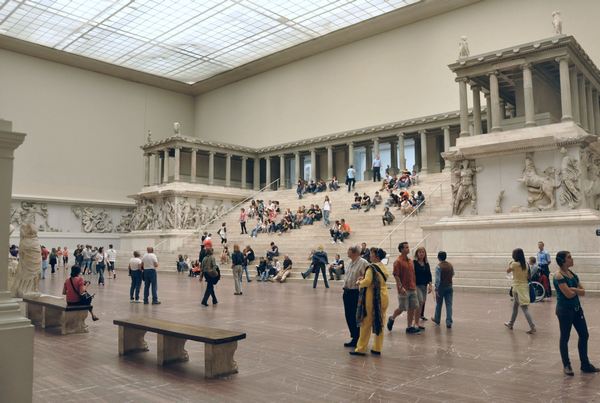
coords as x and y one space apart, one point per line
86 254
570 313
65 257
135 271
520 289
319 263
101 258
350 178
211 275
237 261
45 253
354 272
243 219
112 258
424 283
377 168
543 260
326 211
406 284
372 304
150 265
443 289
53 260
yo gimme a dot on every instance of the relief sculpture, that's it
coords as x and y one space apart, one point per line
569 178
540 188
463 188
93 220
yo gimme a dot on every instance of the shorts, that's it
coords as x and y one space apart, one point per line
111 266
422 294
408 301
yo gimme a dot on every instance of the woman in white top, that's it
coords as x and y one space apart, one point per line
135 271
101 259
326 211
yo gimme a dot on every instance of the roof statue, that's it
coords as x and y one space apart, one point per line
463 48
149 137
176 128
557 22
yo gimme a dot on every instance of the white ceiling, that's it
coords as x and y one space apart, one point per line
183 40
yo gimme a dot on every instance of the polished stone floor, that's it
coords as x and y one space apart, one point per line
294 353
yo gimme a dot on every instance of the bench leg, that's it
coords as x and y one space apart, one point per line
218 359
74 322
171 349
35 313
131 340
52 317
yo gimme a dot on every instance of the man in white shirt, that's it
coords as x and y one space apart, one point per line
377 169
112 258
355 270
135 271
150 264
350 178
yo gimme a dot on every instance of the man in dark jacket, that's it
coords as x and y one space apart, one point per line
319 262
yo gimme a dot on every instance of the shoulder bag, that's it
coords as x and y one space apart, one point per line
85 298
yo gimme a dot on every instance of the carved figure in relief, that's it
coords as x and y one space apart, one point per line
540 187
168 215
93 220
30 260
557 22
12 261
145 215
463 48
127 220
185 213
498 209
465 193
569 175
30 212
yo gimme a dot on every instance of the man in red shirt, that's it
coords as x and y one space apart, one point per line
45 253
406 284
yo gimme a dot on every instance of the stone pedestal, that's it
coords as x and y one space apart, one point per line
218 359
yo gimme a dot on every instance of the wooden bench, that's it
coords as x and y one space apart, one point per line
49 311
220 345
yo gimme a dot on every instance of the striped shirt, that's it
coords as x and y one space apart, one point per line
354 271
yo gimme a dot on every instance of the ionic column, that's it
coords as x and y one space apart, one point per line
596 108
281 171
313 164
476 110
256 174
590 107
495 96
488 112
565 89
376 146
350 154
423 134
368 174
528 96
574 94
394 157
176 175
146 169
157 172
329 162
582 102
446 130
193 163
464 107
211 167
297 166
228 169
268 172
401 150
166 165
244 161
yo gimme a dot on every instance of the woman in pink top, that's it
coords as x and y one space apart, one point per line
74 286
243 218
65 257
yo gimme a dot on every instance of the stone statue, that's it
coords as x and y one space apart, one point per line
557 22
498 209
569 174
176 128
13 262
30 260
93 220
464 192
463 48
149 138
540 187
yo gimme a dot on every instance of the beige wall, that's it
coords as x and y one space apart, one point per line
397 75
83 129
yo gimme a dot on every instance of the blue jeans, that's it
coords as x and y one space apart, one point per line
87 264
136 282
326 217
150 280
245 269
100 271
445 295
254 232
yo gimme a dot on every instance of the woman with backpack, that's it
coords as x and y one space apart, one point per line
212 275
520 289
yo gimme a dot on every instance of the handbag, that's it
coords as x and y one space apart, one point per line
85 298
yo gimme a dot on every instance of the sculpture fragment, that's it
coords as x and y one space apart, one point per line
539 187
27 277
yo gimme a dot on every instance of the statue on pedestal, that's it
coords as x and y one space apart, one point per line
27 278
463 48
557 22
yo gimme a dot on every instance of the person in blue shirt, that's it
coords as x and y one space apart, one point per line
543 261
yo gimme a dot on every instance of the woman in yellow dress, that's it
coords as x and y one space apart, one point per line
372 304
520 289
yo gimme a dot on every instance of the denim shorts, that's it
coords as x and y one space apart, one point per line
422 293
408 301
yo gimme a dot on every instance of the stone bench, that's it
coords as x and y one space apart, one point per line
49 311
220 345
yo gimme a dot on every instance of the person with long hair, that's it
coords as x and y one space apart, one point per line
74 287
101 259
520 289
423 282
237 261
211 272
570 313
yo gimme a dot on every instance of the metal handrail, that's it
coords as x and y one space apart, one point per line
218 217
422 240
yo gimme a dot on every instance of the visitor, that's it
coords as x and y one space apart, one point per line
87 259
149 266
74 287
211 274
356 205
406 284
520 289
443 289
224 259
423 281
261 268
543 260
78 255
273 252
388 217
365 252
285 271
273 269
319 262
300 188
249 258
53 260
222 232
237 261
372 304
45 253
570 313
354 272
101 259
326 211
310 269
374 202
243 218
112 258
336 268
59 257
406 208
334 184
94 254
135 271
65 257
350 178
377 168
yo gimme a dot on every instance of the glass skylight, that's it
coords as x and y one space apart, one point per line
184 40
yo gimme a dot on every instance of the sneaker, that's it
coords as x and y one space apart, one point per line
435 321
589 369
131 301
449 325
145 302
390 323
421 327
137 301
156 302
303 276
204 303
568 370
351 343
531 331
423 318
508 325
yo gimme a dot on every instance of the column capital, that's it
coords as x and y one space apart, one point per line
562 58
444 128
462 80
244 158
228 155
475 87
526 65
329 147
400 134
493 73
211 152
194 150
177 148
282 155
422 131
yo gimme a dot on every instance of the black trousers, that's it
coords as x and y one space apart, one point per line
351 182
350 298
320 268
567 318
210 291
243 227
376 174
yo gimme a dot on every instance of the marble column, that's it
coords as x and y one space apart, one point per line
423 134
596 108
166 158
368 174
582 102
495 96
574 94
313 164
157 172
393 157
565 89
211 167
256 174
350 154
376 146
176 175
228 169
243 174
281 171
16 331
297 170
488 112
146 169
590 107
268 172
446 130
528 96
464 107
193 162
329 162
476 109
401 151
